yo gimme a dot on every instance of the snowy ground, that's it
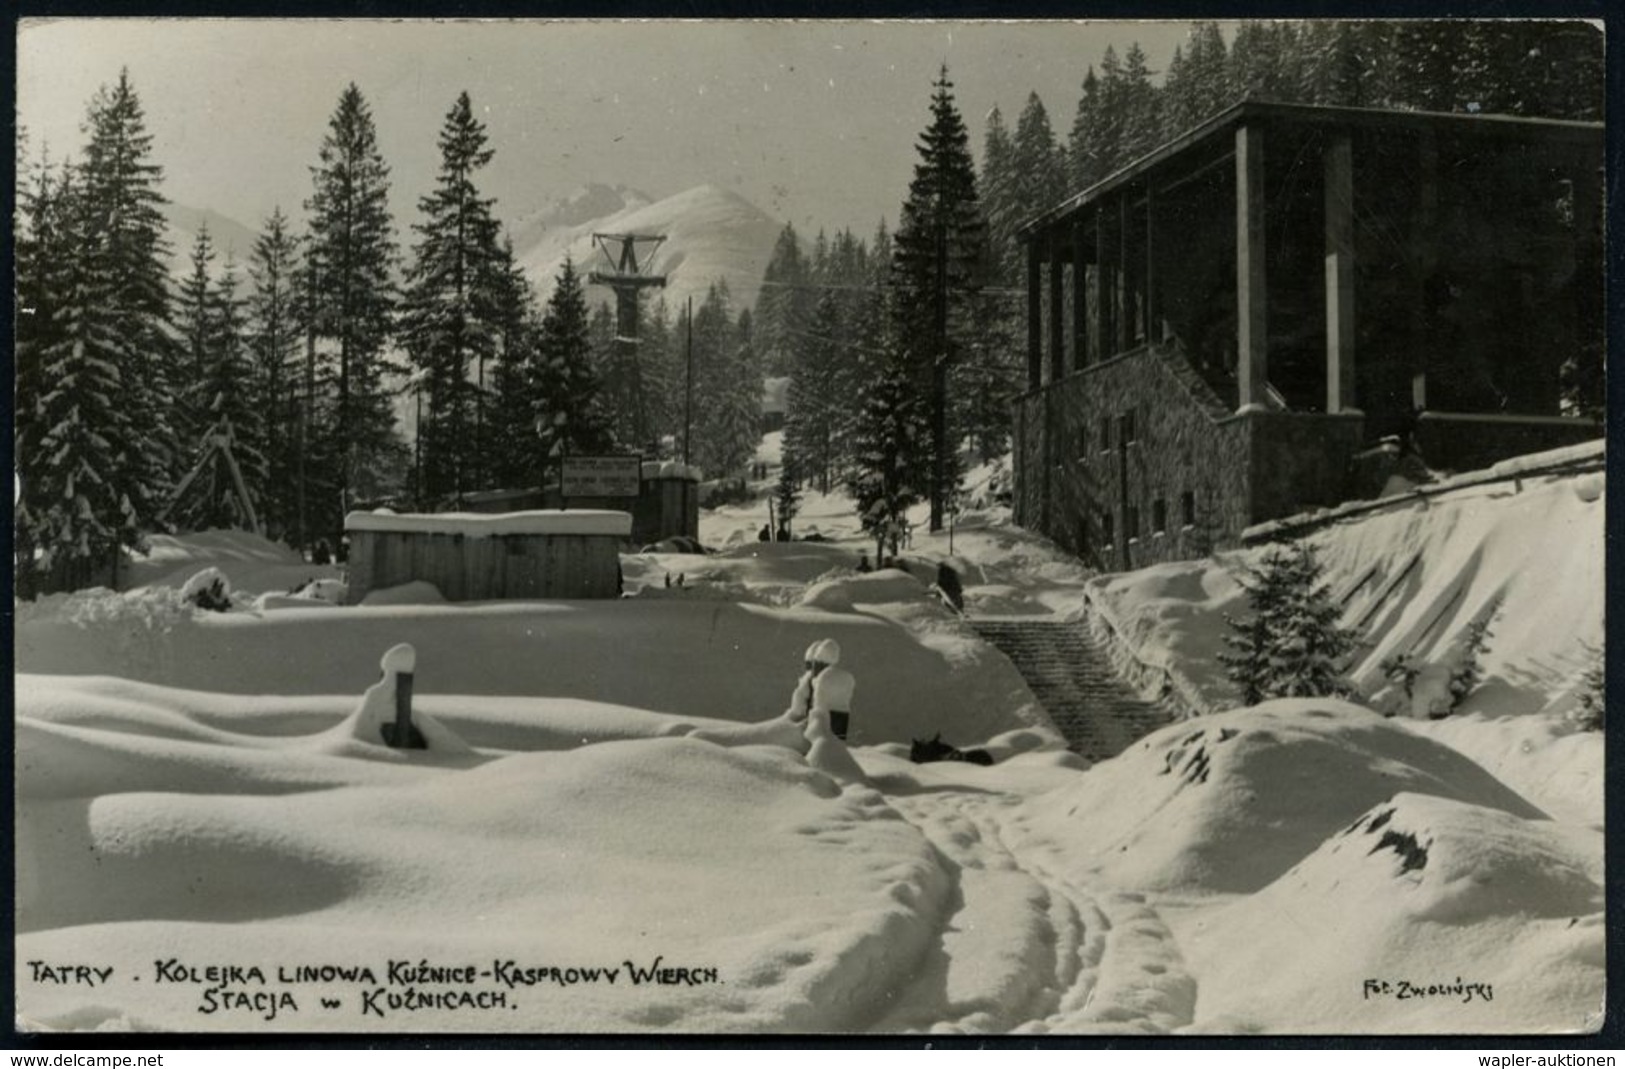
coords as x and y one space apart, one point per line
611 832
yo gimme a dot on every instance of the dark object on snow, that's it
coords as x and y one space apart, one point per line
863 564
952 591
838 723
814 536
322 554
674 544
403 734
679 580
765 534
668 580
923 752
213 598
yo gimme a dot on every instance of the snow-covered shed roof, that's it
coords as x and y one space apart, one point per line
480 525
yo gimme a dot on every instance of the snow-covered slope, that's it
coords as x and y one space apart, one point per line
606 858
607 784
1227 803
584 205
712 235
1525 554
1424 915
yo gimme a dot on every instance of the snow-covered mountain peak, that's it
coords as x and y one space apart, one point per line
711 234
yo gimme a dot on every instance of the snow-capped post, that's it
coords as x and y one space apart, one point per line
832 686
400 662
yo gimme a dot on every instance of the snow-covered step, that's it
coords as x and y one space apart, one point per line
1072 678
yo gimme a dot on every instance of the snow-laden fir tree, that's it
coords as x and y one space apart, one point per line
995 186
887 476
785 302
1038 176
938 261
786 498
622 390
234 403
44 252
738 426
664 387
449 311
992 375
71 506
727 387
813 400
568 413
122 240
1085 155
351 252
273 342
95 357
1591 712
221 401
198 324
1291 646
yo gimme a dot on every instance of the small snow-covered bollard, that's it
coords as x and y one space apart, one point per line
398 664
832 686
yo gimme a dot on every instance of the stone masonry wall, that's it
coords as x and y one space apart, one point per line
1100 479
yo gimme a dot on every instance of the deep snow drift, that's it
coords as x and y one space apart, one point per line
610 830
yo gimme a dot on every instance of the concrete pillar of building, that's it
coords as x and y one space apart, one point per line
1341 388
1057 309
1035 334
1080 299
1105 335
1252 323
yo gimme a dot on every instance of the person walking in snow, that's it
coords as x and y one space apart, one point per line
832 686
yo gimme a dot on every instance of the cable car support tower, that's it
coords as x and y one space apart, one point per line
626 277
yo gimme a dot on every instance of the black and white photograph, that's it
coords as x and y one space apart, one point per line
843 527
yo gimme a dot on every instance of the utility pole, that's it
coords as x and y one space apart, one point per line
626 278
688 384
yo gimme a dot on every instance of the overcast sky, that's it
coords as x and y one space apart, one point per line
813 121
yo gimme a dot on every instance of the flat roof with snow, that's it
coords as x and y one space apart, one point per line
482 525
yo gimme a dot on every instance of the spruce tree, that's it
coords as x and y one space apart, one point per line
663 382
939 261
234 400
1139 107
569 412
1292 645
787 498
351 252
784 304
513 432
196 322
44 253
449 309
1086 152
273 344
887 472
813 399
739 423
97 448
121 235
73 504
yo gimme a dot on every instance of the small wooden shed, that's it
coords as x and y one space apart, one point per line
566 553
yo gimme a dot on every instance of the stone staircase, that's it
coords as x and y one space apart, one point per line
1073 679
